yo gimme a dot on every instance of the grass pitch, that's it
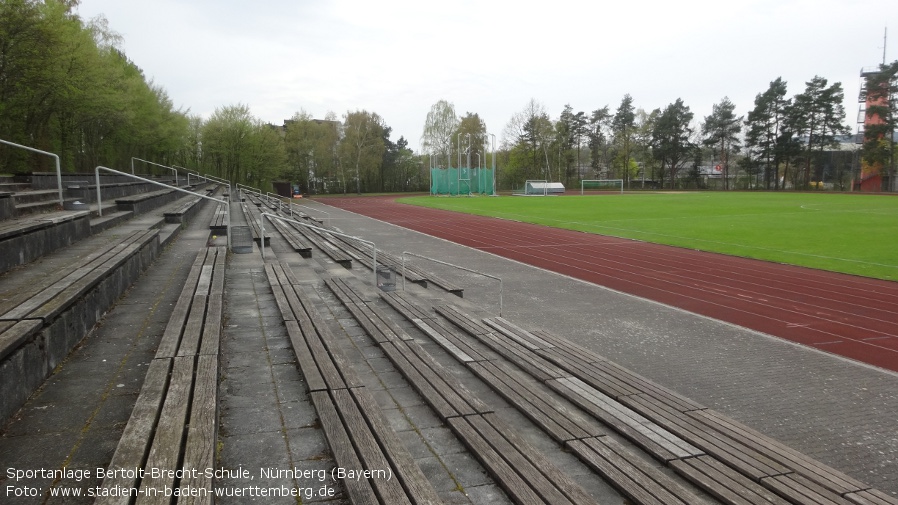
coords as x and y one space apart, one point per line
850 233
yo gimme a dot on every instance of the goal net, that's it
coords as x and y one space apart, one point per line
604 185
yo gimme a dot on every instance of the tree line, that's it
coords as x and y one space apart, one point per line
781 142
67 87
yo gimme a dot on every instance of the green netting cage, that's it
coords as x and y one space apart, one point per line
461 181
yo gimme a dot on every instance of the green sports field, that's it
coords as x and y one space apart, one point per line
855 234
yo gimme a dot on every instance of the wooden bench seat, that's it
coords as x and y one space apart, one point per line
438 329
728 460
182 212
597 371
293 237
559 420
323 242
355 428
519 468
219 222
447 396
568 425
811 469
43 317
724 483
413 273
631 475
253 219
871 497
174 423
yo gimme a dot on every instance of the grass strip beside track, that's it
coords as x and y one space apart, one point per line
849 233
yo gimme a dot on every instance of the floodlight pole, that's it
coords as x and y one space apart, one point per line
55 157
494 163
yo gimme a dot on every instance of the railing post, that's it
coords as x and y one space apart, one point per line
501 289
55 157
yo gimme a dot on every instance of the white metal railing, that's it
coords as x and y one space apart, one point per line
100 201
208 178
290 205
254 190
320 229
158 165
407 253
55 157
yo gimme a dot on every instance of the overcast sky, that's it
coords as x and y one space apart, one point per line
399 57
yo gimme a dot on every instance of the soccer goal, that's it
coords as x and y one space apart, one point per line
602 185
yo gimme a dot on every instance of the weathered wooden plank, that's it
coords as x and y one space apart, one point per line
308 366
404 304
588 373
652 437
745 459
373 459
171 336
447 377
500 470
724 483
170 432
413 480
535 365
462 320
566 344
814 470
437 402
543 408
540 462
629 474
516 333
11 306
359 490
463 401
218 275
202 435
444 342
799 490
15 333
212 328
871 497
193 329
513 454
134 444
319 337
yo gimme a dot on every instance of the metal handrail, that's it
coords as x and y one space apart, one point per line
213 178
501 289
328 214
325 230
290 206
254 190
100 202
157 164
56 157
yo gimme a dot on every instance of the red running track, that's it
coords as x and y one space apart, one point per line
851 316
